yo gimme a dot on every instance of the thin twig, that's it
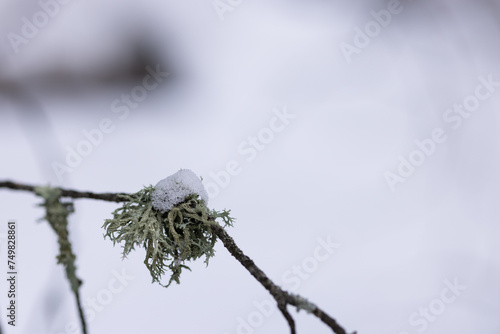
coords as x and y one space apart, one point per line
288 317
282 297
110 197
80 312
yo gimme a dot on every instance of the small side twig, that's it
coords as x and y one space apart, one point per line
288 316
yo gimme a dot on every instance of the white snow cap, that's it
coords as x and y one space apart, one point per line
175 188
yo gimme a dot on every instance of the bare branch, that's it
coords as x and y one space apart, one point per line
110 197
282 297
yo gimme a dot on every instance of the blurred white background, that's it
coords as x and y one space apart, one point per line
323 175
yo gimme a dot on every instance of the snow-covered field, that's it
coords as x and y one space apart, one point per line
357 145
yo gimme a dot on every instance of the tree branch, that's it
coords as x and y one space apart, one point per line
110 197
282 297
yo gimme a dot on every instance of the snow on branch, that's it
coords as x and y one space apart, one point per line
177 208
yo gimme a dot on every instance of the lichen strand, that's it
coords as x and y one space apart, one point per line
181 234
56 214
303 304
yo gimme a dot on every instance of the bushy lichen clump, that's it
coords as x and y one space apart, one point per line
170 238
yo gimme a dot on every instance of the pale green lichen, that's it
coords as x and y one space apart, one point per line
303 304
181 234
56 214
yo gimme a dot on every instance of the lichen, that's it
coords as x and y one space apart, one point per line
170 238
56 214
303 304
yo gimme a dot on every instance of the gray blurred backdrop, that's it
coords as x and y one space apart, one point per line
368 125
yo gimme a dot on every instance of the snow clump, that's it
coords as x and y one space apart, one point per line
176 188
